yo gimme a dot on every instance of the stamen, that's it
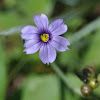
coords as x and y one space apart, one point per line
44 37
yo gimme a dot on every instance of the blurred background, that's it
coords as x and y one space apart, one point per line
25 77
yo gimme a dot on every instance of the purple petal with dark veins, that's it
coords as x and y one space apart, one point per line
45 21
61 40
29 36
41 21
43 54
33 49
30 43
47 53
51 53
60 30
29 29
60 43
55 24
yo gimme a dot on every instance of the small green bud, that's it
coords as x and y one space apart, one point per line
94 83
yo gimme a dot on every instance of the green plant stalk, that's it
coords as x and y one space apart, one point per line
62 77
59 73
3 72
62 90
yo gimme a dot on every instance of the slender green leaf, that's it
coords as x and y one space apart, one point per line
3 77
11 31
92 56
86 30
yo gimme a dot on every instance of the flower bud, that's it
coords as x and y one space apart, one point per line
94 83
88 71
86 90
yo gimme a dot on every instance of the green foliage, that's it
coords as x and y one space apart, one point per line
46 87
69 58
92 56
75 23
8 20
41 88
85 31
10 3
71 96
23 9
97 91
3 77
30 7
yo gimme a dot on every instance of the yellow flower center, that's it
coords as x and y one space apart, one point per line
45 37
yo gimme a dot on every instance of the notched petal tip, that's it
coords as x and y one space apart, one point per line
28 53
22 29
39 15
68 43
20 34
34 16
41 21
24 50
47 64
43 15
66 27
68 49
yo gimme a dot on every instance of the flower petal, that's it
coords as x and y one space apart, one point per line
55 24
60 43
47 53
57 27
33 49
29 29
41 21
61 40
60 30
45 21
29 36
51 53
30 43
43 54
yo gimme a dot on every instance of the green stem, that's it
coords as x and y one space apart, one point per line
60 73
62 86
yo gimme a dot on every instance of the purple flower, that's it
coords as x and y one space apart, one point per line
45 38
